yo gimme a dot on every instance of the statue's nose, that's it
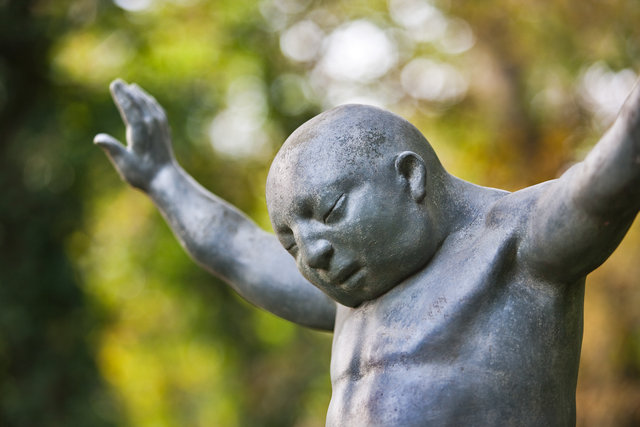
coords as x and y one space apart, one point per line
318 253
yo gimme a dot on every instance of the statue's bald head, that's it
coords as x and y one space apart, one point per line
351 134
354 139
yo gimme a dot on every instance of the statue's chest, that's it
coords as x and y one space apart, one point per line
432 317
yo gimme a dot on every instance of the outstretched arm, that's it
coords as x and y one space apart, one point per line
582 217
215 234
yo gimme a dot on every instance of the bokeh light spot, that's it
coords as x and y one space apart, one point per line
604 91
238 130
358 51
433 81
302 41
423 20
134 5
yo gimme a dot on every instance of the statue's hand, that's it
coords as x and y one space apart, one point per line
148 147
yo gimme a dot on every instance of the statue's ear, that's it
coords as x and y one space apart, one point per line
411 167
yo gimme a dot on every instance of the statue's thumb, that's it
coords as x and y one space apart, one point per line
110 145
116 152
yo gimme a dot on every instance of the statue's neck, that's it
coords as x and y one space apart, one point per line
461 202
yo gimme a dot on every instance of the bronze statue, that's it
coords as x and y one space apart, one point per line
450 303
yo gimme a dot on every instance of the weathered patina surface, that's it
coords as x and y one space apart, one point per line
450 303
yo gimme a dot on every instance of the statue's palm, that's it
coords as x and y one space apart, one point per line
148 136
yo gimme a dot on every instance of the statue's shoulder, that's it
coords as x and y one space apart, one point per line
513 209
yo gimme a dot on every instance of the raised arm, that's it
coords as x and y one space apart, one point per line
215 234
581 218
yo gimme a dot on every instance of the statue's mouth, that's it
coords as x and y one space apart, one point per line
346 275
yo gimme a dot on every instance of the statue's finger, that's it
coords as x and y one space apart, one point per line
110 145
150 103
126 101
629 114
634 96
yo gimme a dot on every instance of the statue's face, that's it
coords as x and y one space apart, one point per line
353 228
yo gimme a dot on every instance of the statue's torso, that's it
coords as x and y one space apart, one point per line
472 339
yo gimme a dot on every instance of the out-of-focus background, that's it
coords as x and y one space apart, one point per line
104 321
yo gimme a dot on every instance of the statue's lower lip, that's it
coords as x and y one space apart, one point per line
347 274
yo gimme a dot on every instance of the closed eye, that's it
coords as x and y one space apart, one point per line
292 249
335 210
285 235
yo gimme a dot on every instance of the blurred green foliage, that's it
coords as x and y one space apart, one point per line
105 321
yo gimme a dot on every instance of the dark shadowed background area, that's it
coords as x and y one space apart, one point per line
104 321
